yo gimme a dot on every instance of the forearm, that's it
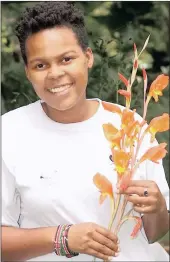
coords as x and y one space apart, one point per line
156 225
23 244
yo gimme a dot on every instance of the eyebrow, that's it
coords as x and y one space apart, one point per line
43 58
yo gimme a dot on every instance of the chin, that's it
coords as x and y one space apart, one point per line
63 105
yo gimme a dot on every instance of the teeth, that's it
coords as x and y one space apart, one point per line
59 89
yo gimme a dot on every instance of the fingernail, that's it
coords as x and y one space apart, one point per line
110 258
116 254
118 241
118 249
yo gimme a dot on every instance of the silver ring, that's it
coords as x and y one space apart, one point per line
145 193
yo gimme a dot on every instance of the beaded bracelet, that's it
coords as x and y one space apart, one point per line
61 242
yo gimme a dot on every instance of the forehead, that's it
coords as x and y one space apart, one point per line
52 42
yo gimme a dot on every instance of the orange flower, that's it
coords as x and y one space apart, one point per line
116 141
132 128
104 185
157 86
110 131
113 135
137 227
127 117
135 64
158 124
131 132
155 153
124 182
123 79
127 95
121 160
112 108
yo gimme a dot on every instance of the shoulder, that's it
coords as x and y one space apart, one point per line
18 117
17 123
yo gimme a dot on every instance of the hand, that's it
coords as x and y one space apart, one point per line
94 240
152 203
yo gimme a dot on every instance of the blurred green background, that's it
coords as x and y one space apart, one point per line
113 27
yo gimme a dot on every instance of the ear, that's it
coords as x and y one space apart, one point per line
90 57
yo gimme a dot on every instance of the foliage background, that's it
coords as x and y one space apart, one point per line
113 27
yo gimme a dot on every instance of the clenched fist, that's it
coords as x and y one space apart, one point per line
94 240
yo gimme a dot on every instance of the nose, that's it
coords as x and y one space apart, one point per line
55 72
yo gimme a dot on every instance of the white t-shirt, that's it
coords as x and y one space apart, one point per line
47 176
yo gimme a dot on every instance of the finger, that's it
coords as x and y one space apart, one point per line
101 249
113 246
141 183
147 201
97 254
144 209
107 233
134 190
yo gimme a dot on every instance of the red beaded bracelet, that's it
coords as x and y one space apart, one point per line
61 242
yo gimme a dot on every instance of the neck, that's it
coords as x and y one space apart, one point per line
82 111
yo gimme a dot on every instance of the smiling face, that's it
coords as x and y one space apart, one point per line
57 67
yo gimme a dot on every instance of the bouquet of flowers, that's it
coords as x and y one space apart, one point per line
125 143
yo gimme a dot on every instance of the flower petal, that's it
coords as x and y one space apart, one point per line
103 184
137 227
109 131
125 93
158 124
157 86
155 153
123 79
112 108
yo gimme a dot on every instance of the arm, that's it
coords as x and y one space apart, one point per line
22 244
156 225
87 238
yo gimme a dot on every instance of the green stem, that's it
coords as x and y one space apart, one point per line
121 214
115 211
112 212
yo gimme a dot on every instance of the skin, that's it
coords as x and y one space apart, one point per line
49 67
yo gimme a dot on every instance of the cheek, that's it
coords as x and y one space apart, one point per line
80 73
38 81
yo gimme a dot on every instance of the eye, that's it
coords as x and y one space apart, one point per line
67 59
40 66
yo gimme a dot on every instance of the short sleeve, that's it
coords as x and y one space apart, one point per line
10 199
156 173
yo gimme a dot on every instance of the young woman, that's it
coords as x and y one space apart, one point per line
51 149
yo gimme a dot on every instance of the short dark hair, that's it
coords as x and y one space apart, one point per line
47 15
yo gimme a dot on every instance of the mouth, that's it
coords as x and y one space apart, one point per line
60 89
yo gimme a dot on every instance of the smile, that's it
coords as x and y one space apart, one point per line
60 89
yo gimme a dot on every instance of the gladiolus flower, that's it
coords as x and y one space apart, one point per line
155 153
125 179
135 65
121 160
112 108
127 117
144 74
123 79
104 185
157 86
137 227
158 124
127 95
110 131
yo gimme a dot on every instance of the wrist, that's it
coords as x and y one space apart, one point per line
61 242
163 206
